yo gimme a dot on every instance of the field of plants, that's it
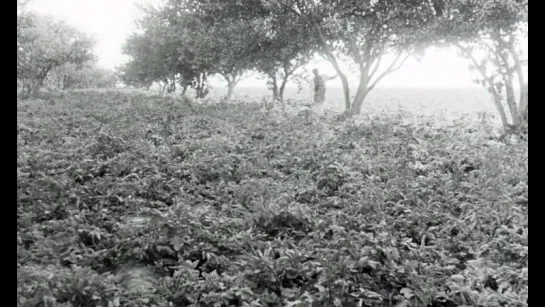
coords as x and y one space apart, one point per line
132 200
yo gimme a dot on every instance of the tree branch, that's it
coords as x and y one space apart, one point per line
352 43
393 67
479 67
374 70
520 74
246 76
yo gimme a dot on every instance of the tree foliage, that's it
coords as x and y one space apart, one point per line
282 44
160 52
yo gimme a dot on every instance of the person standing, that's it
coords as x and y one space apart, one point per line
319 90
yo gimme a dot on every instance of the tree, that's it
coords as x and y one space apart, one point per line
151 53
488 33
160 53
44 44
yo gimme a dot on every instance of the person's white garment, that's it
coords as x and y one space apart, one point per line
320 106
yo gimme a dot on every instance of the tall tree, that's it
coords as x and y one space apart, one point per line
489 34
228 47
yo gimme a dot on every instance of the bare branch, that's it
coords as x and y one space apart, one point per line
393 67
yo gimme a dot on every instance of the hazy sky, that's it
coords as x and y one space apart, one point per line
112 20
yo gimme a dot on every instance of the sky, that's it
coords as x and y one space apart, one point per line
111 21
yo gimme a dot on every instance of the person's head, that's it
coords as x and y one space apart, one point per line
315 71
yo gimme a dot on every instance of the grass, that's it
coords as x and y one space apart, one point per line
130 200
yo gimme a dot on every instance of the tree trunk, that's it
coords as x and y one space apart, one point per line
344 81
511 102
498 103
523 107
201 90
282 89
359 99
523 100
333 60
230 90
362 90
37 82
275 90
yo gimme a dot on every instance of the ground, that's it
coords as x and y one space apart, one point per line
132 200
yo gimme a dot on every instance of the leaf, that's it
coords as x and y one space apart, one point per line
407 293
320 288
371 294
458 278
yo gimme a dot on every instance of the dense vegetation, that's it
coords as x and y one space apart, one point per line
129 200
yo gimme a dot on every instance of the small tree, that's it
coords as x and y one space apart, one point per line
149 52
160 53
44 44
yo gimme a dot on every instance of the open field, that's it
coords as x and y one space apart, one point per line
132 200
464 100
